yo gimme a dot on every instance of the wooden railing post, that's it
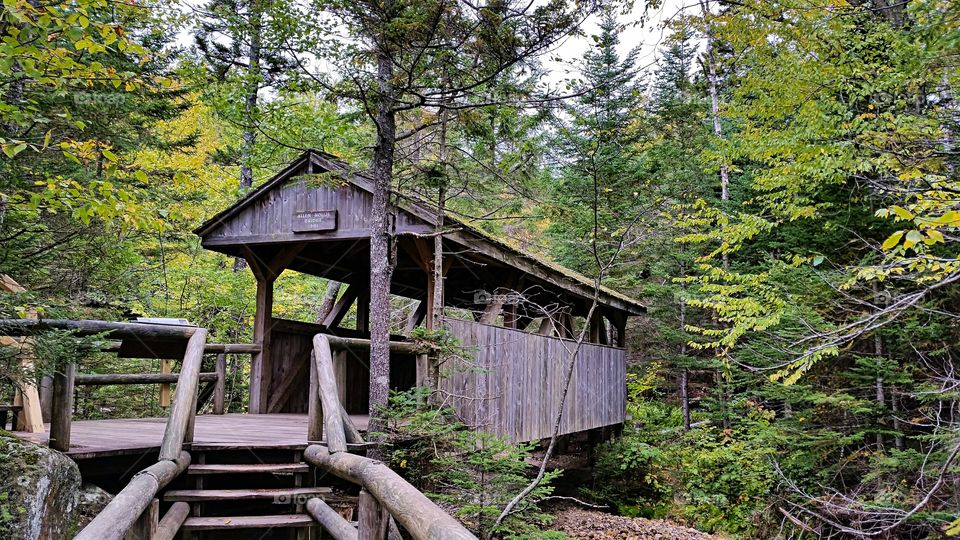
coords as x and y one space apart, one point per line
337 527
61 414
314 404
372 518
220 390
333 422
145 528
170 525
179 424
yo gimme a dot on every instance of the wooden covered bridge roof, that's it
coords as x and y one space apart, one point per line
319 224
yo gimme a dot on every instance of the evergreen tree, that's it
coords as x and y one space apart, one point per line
597 141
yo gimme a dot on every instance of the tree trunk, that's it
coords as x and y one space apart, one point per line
381 265
329 300
684 372
249 136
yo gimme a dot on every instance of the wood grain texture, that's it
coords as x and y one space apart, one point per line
331 521
127 506
372 518
326 383
509 382
277 494
246 522
61 414
423 519
170 525
92 438
183 407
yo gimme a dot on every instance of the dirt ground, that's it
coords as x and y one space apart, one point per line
589 524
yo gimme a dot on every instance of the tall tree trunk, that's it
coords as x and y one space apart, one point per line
249 135
381 265
879 388
684 383
714 83
438 274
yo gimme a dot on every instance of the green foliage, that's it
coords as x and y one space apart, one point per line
713 479
472 472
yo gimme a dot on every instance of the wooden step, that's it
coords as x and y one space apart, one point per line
191 495
247 522
248 468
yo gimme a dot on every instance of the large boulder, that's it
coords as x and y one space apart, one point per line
41 495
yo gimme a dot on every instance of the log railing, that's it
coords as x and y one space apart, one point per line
135 502
64 381
385 496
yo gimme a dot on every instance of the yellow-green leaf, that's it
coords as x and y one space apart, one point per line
913 238
902 212
893 240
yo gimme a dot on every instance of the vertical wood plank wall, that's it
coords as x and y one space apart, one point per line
509 382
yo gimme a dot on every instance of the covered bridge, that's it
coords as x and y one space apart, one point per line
512 312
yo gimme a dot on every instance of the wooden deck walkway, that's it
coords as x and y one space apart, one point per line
95 438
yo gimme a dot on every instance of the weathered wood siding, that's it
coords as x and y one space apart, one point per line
271 217
291 345
290 371
510 382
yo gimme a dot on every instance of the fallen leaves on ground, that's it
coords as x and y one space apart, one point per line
596 525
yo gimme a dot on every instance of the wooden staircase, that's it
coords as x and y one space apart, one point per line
252 493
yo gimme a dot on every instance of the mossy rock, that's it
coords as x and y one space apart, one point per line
40 491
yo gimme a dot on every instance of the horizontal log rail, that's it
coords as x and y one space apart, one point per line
423 519
133 504
96 379
220 348
399 347
28 327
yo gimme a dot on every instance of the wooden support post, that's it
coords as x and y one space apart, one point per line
493 309
333 422
145 527
363 310
183 410
598 330
30 417
511 316
62 413
619 320
170 525
373 518
547 326
165 388
260 362
418 316
338 527
220 390
46 397
314 404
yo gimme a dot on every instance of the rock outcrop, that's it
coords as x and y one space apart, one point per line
41 495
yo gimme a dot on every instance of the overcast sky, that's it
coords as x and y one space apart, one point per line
647 37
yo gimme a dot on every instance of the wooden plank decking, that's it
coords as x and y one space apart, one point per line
92 438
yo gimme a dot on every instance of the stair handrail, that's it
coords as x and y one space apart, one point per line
129 504
423 519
